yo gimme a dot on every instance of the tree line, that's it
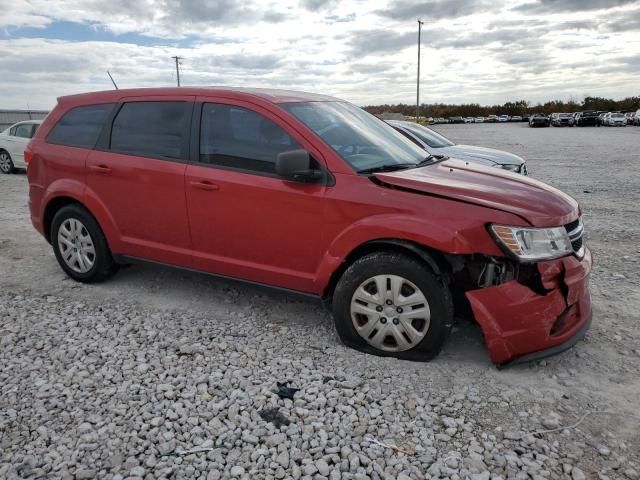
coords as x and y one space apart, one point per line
520 107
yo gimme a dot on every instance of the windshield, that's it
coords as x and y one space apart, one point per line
362 140
428 136
617 115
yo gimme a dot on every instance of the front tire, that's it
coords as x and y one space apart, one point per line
80 246
6 163
391 304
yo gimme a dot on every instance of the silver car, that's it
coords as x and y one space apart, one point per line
436 144
13 141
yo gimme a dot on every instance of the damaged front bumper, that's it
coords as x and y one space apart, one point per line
520 324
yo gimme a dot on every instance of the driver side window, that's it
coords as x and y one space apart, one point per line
235 137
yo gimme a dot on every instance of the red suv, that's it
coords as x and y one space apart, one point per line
312 194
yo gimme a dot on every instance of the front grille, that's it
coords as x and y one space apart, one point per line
575 230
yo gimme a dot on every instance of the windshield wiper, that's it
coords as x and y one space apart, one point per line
431 159
387 168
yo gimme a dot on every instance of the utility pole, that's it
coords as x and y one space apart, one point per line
177 59
420 23
112 80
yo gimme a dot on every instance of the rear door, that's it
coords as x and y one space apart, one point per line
246 222
137 172
18 141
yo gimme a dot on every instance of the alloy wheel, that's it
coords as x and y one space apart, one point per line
5 162
390 313
76 245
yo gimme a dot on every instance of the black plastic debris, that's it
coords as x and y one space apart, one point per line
275 416
284 391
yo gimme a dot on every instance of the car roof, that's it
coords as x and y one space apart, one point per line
239 93
38 122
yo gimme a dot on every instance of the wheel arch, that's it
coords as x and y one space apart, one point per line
430 257
53 206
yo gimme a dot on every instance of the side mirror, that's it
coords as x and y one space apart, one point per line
295 165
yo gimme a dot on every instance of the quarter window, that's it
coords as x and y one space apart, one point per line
155 129
80 126
235 137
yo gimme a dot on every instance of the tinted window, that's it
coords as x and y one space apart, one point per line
80 126
151 128
239 138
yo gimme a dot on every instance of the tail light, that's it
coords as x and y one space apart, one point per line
28 154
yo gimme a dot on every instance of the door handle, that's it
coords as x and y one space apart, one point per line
100 169
204 185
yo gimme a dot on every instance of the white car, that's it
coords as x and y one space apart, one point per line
615 119
479 120
13 141
503 118
468 120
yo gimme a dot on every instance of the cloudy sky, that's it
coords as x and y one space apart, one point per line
486 51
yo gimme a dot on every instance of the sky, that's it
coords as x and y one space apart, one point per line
364 51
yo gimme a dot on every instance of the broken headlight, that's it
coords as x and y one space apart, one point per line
532 244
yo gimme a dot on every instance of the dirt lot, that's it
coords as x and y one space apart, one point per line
101 381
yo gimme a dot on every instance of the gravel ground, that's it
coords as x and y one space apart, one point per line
120 380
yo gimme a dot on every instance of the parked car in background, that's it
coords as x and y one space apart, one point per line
503 118
13 141
393 241
479 120
588 118
615 119
516 118
492 119
538 120
456 120
469 119
561 120
630 116
636 118
601 116
437 144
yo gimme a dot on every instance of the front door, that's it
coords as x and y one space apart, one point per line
245 221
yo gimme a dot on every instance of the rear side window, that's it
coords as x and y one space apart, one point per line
155 129
80 126
235 137
24 130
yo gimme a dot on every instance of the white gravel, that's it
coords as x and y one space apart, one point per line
104 381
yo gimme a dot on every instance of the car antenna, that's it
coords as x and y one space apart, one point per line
112 80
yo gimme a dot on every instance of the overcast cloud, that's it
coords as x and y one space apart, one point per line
485 51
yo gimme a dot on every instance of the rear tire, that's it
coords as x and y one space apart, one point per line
412 324
6 164
80 246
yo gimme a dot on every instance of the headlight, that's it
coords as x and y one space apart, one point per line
511 168
532 244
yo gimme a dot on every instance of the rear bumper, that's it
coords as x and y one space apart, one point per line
519 324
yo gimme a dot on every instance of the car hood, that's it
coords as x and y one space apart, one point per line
471 152
538 203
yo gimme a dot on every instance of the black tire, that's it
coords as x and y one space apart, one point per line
104 265
391 263
6 163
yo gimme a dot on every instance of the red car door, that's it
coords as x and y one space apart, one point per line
245 221
138 176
